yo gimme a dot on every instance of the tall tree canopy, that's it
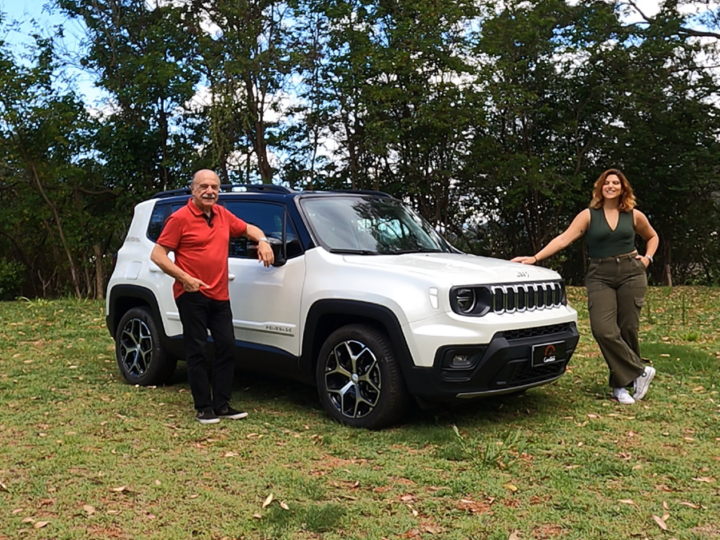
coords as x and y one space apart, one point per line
492 119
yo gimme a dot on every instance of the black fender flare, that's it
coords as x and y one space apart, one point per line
345 312
124 297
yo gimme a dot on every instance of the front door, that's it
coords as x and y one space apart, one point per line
266 301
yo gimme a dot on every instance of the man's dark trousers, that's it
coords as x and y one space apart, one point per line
198 314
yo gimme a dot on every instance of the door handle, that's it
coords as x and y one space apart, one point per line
231 277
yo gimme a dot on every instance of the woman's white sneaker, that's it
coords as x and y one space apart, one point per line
623 396
642 383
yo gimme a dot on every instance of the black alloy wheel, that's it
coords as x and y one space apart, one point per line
140 356
359 380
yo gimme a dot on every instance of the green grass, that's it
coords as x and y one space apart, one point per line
96 458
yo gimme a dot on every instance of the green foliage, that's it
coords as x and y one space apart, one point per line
11 279
492 119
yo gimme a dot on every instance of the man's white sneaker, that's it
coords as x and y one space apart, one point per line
642 383
623 396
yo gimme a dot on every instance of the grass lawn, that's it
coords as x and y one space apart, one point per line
84 455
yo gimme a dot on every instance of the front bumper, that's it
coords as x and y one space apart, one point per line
503 366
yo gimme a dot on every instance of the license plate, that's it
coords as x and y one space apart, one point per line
548 353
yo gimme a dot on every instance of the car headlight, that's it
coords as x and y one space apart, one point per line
474 301
465 300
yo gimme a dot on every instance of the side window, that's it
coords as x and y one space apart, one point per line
267 216
158 218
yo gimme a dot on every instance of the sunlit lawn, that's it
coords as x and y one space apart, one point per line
84 455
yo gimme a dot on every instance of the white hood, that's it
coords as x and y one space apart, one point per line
456 268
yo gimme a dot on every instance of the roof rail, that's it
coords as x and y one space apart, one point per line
228 188
363 192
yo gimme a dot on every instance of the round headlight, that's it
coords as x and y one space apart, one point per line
465 300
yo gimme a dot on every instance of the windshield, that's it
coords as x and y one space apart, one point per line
370 225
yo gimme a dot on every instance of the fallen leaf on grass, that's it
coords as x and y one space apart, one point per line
28 520
511 487
4 488
665 517
230 454
40 524
660 522
119 489
433 529
628 501
268 501
691 505
666 506
89 509
284 506
480 507
257 516
515 535
704 479
18 510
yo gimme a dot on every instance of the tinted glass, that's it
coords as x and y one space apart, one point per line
158 218
371 225
267 216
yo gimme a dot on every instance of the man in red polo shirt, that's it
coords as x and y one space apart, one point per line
199 234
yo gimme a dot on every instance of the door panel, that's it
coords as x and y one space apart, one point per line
266 301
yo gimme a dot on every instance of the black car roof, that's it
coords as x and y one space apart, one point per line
269 189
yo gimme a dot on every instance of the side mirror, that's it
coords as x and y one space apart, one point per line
278 250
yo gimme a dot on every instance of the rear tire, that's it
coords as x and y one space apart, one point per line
359 380
140 356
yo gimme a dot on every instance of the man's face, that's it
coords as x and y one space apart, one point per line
205 188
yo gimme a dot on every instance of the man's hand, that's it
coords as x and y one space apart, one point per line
191 284
265 253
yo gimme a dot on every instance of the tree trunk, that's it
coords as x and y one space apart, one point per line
99 274
58 224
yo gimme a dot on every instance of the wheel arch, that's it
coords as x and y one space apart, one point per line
326 316
125 297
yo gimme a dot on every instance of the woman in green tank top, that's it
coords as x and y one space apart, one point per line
616 279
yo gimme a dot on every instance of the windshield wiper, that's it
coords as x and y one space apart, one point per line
353 251
414 250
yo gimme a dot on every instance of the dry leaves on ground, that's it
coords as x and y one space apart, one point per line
660 522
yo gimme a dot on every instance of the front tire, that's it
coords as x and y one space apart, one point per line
359 380
140 356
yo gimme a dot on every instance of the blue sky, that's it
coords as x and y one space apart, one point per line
33 16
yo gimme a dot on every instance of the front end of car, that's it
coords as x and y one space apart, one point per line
492 339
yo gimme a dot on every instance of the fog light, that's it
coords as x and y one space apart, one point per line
461 361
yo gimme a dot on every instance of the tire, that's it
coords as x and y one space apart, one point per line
140 356
358 361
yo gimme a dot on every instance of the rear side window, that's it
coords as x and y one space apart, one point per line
158 218
269 217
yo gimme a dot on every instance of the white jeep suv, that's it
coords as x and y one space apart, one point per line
365 301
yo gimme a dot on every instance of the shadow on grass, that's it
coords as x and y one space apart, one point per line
262 389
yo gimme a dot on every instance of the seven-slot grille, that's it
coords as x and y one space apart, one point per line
526 296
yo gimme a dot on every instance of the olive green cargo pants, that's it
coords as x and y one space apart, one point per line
616 293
